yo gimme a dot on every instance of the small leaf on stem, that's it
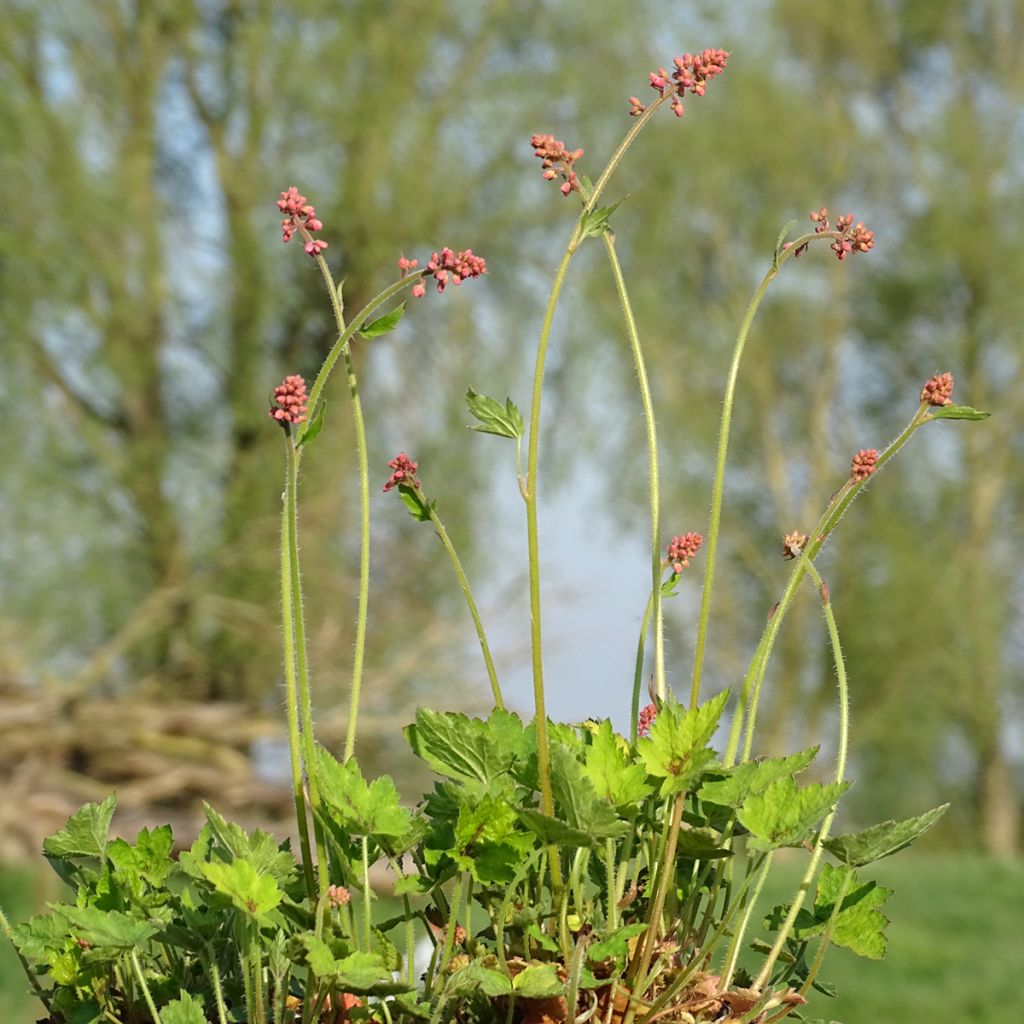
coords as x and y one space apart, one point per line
503 421
383 324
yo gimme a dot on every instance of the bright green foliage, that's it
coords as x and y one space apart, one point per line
882 840
85 834
752 777
608 767
383 324
495 418
372 809
783 814
358 973
249 891
107 929
677 749
578 802
468 748
538 981
596 221
316 425
476 977
147 863
488 841
259 848
958 412
185 1010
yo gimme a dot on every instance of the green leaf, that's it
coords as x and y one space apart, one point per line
958 412
676 750
577 801
366 810
85 834
249 891
185 1010
312 431
487 840
860 925
148 861
503 421
90 1012
595 222
786 815
882 840
418 506
615 945
538 981
615 778
412 885
752 777
475 977
700 844
260 849
383 324
358 973
106 928
38 935
467 748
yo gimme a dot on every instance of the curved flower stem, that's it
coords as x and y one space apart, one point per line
341 347
532 462
638 668
844 736
751 689
485 649
652 464
291 687
722 449
305 701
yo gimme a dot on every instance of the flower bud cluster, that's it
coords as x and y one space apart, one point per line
647 716
682 549
692 73
863 464
290 401
404 472
557 161
448 266
847 238
938 389
301 217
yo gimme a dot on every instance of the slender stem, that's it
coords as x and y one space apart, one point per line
733 954
638 668
256 964
291 688
467 592
364 559
841 754
367 894
751 689
718 487
532 462
5 927
638 969
218 994
145 988
652 462
305 699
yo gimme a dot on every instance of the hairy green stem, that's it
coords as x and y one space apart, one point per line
638 668
467 592
291 686
841 501
733 954
5 927
305 698
722 449
532 463
841 754
652 462
137 967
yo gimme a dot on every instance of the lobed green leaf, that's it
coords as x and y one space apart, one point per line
786 815
85 834
495 418
882 840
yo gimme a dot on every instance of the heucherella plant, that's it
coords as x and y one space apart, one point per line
554 872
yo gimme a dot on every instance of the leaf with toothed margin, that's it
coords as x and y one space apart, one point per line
958 412
495 418
383 324
312 432
595 222
882 840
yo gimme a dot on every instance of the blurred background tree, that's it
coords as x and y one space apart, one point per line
148 308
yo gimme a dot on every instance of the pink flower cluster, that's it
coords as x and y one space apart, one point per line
846 237
338 895
937 390
403 472
682 549
864 463
692 73
647 716
557 161
448 266
291 398
301 217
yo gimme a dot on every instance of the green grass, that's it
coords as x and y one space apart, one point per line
955 945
